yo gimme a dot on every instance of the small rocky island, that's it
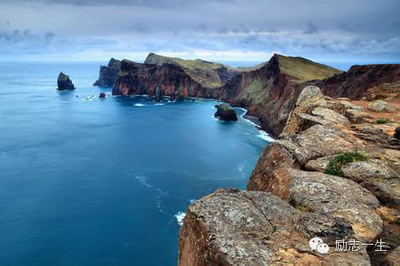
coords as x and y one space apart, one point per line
225 113
64 82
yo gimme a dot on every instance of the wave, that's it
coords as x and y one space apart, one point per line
159 104
138 104
160 193
263 135
143 180
179 217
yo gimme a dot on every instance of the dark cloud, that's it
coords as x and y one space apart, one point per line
311 28
340 29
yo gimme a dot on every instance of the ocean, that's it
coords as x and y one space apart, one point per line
89 181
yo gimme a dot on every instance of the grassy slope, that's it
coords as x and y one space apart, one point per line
302 69
195 66
297 68
190 64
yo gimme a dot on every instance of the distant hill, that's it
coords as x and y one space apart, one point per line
302 69
208 74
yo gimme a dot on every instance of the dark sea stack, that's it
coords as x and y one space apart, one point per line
225 113
64 82
108 74
102 95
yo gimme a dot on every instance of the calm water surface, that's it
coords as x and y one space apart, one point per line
85 181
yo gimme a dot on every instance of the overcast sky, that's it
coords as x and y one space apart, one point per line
221 30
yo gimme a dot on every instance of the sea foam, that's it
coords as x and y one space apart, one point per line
179 217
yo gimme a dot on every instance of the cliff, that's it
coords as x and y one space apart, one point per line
370 81
108 74
159 80
270 91
334 173
208 74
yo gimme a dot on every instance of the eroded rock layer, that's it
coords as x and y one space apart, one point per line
328 175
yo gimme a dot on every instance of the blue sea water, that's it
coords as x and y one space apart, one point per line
88 181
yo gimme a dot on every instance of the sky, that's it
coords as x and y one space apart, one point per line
219 30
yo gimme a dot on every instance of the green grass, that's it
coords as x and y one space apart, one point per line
198 69
254 91
382 121
190 64
303 69
335 165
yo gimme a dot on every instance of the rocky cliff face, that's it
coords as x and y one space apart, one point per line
209 74
361 81
108 74
334 173
159 80
270 91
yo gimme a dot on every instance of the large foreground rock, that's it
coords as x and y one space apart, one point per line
64 82
232 227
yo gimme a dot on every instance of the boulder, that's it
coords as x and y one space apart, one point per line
64 82
102 95
318 141
349 105
225 113
378 106
357 117
330 115
232 227
309 94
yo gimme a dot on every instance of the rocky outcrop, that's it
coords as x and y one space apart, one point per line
157 81
64 82
108 74
225 113
294 190
371 81
270 92
102 95
209 74
232 227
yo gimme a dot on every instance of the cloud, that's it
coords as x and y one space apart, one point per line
310 28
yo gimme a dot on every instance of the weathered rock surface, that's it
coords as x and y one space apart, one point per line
157 81
293 168
64 82
378 106
232 227
225 112
271 91
108 74
359 80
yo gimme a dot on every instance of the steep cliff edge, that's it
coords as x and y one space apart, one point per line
270 91
209 74
159 80
370 81
108 74
333 173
